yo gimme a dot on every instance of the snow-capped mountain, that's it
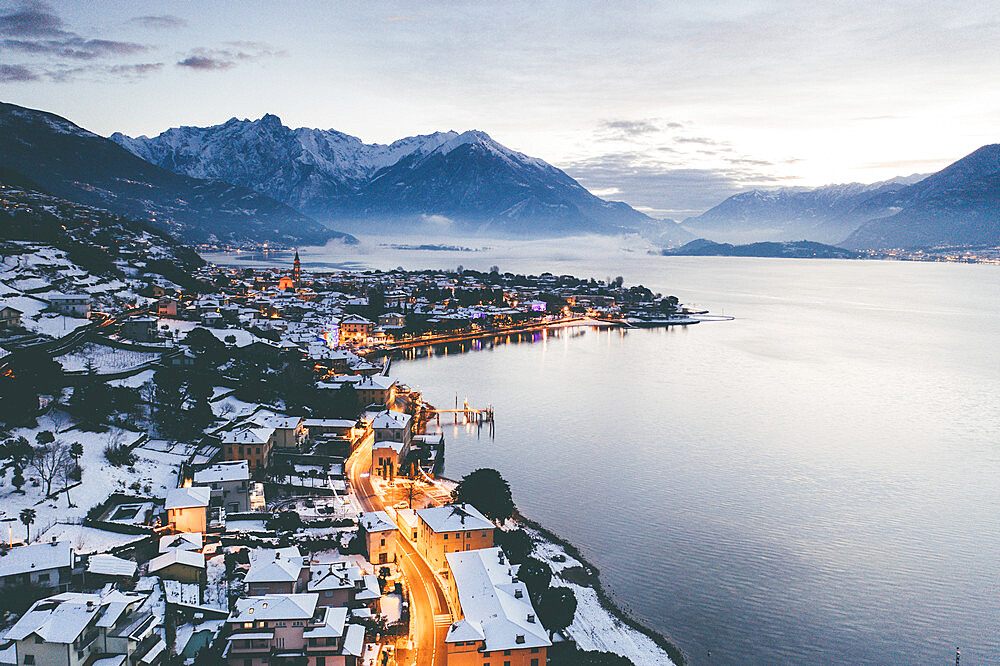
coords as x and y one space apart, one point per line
824 214
465 179
77 165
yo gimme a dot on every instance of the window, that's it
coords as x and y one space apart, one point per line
506 663
445 537
534 662
29 659
468 535
506 653
43 577
39 640
534 650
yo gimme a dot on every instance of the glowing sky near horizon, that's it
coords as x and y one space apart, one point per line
667 106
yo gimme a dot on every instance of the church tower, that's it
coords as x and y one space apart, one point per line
296 270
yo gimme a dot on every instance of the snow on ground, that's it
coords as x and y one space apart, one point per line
135 381
105 360
88 539
547 551
231 408
391 606
245 526
100 478
53 325
594 628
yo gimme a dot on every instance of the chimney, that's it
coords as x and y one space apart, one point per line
53 540
518 594
90 605
519 639
531 618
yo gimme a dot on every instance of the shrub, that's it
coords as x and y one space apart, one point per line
119 455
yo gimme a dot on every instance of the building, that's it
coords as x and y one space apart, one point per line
45 565
10 317
342 584
167 307
293 626
449 529
380 536
393 427
186 566
251 443
288 430
229 483
392 320
393 436
187 541
187 509
276 571
71 305
496 621
104 568
376 390
355 329
141 329
76 629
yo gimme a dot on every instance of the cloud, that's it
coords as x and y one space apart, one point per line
14 73
206 59
205 62
160 22
31 19
74 47
135 70
626 130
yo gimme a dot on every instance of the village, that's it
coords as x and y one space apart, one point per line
226 471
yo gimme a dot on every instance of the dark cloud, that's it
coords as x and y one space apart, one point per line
214 59
205 62
31 19
160 22
13 73
74 47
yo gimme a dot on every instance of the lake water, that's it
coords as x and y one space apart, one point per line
816 481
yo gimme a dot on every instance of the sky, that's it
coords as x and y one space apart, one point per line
669 106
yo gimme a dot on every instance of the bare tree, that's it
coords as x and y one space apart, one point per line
49 462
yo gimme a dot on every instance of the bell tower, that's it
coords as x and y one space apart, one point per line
296 270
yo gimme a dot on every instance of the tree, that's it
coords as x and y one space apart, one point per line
28 517
556 608
536 576
285 521
17 453
76 450
48 462
516 543
486 490
45 437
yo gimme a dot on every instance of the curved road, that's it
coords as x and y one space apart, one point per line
429 613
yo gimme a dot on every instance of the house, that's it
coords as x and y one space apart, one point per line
71 305
167 307
392 320
229 483
355 329
376 390
388 458
393 435
104 568
187 509
393 426
276 571
186 541
342 584
77 629
288 430
45 565
380 535
294 626
251 443
186 566
141 329
496 621
451 528
10 317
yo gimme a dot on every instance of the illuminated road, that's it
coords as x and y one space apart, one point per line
429 614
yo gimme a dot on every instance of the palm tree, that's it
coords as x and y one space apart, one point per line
28 517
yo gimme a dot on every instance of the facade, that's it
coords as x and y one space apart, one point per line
71 305
229 483
294 626
376 390
141 329
253 444
75 629
342 584
44 565
496 622
167 307
187 509
10 317
380 536
450 529
186 566
288 430
355 329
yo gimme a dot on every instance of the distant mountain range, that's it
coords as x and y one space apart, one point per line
784 249
959 205
463 182
80 166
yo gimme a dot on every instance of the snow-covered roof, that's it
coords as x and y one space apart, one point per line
36 557
63 617
376 521
378 382
329 423
334 619
495 608
183 541
235 470
274 607
454 518
188 558
248 435
281 565
109 565
188 498
391 420
354 640
333 576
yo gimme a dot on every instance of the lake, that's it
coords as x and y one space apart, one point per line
815 481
